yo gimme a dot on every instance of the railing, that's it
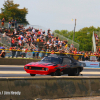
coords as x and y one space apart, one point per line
76 45
6 25
5 40
37 27
41 54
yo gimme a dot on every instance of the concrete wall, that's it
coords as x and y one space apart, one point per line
10 61
49 87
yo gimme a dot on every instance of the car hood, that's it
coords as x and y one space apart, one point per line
40 64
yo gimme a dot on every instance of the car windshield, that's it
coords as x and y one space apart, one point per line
52 60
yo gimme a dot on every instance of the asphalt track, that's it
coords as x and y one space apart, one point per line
18 71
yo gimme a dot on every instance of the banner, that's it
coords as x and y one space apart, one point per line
8 53
29 54
93 58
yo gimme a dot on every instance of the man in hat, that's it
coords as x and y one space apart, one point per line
3 53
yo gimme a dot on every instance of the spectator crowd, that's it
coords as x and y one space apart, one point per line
25 40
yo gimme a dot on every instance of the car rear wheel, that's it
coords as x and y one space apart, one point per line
75 72
32 74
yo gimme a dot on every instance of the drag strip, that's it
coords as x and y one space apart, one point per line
18 71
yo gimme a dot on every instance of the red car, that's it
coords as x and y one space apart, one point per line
55 66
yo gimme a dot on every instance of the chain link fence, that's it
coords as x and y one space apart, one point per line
62 38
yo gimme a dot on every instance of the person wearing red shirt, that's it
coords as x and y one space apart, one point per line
12 42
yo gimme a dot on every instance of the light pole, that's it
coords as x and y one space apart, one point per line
74 30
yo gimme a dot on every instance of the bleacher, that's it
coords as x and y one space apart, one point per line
39 44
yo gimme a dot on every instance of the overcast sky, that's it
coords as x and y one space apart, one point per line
57 14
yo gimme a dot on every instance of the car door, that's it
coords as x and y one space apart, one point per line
67 62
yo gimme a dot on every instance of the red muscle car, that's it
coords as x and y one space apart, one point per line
55 66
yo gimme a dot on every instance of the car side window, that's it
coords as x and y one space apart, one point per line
66 61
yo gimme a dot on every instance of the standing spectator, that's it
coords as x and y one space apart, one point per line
9 24
13 52
16 24
37 53
2 22
12 22
33 52
98 56
0 30
86 56
12 42
23 52
41 54
18 54
72 46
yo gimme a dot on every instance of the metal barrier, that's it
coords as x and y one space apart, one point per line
41 54
6 25
5 40
76 45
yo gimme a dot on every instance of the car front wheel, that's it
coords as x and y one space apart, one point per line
32 74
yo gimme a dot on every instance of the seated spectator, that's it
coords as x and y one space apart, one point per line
3 53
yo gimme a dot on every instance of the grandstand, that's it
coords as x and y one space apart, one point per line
6 39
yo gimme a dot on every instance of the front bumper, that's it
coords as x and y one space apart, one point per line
42 72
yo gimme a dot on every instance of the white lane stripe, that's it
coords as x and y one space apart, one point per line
90 73
13 72
12 66
23 72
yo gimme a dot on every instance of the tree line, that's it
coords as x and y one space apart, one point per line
11 11
83 36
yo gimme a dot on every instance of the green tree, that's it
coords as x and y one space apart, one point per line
83 37
11 11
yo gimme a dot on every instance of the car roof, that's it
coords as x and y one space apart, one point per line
65 56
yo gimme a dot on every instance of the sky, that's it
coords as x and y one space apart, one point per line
58 14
